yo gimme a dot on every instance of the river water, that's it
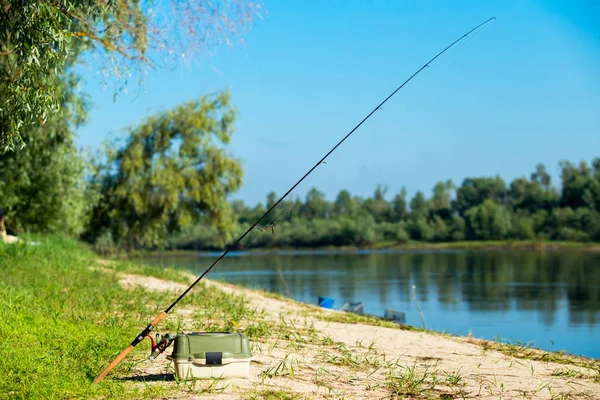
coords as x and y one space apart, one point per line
548 300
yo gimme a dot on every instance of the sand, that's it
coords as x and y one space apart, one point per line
358 361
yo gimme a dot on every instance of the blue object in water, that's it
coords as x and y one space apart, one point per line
325 302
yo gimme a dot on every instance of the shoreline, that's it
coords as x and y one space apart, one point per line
528 246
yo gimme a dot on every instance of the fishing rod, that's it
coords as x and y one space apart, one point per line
162 315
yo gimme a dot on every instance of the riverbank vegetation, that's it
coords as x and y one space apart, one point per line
481 212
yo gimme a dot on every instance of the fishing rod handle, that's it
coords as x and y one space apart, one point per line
128 349
114 363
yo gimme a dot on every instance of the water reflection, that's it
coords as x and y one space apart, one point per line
550 296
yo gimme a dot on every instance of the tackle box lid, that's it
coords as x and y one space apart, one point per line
196 345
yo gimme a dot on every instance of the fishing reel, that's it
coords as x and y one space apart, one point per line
160 344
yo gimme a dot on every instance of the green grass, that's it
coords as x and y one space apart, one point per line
58 322
62 322
526 352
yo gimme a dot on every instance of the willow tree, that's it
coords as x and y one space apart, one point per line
37 40
172 171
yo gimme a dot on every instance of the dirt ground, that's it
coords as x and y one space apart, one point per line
357 361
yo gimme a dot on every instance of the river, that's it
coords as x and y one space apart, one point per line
549 300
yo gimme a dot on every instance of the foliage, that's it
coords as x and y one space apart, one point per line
42 187
38 38
172 171
474 191
488 221
481 208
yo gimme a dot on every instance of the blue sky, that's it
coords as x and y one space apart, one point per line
525 89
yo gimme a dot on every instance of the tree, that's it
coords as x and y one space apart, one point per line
441 231
42 186
458 228
343 204
418 205
530 196
576 185
488 221
271 199
172 171
440 203
474 191
536 194
37 39
419 229
377 205
316 206
541 176
399 211
418 226
523 227
592 195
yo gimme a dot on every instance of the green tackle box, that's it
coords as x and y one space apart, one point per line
211 355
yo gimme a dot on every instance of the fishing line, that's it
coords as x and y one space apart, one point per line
163 314
258 233
451 57
460 48
271 227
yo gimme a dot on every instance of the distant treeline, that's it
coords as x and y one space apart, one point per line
481 208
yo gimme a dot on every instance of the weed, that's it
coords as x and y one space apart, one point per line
454 379
411 383
271 394
345 357
522 350
321 376
327 341
338 394
210 386
592 374
560 396
284 367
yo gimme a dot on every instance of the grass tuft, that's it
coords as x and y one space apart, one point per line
411 383
272 394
